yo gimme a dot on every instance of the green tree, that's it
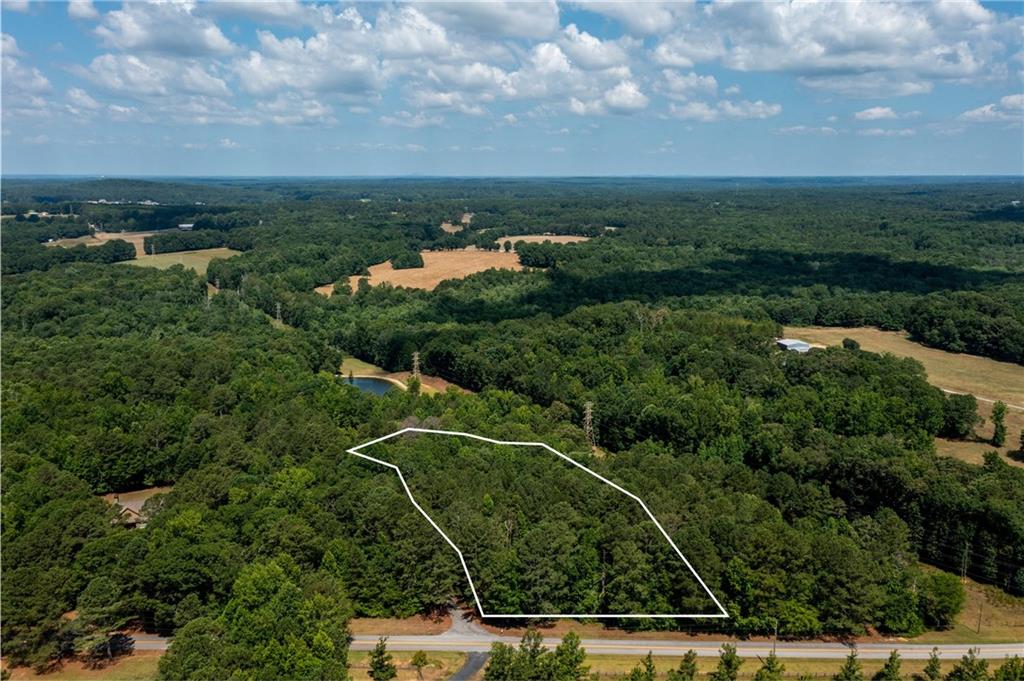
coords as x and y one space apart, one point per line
941 598
687 669
998 424
969 668
382 668
960 416
729 664
771 670
1011 670
933 669
890 671
419 660
851 669
644 671
567 660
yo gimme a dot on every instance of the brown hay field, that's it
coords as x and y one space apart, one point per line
100 238
439 266
325 290
986 379
467 218
450 228
541 238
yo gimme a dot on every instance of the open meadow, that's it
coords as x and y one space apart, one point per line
439 266
196 260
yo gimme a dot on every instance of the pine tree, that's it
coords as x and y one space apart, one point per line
644 671
419 660
1011 670
999 424
969 668
687 669
728 665
381 666
891 670
771 670
851 669
933 670
568 658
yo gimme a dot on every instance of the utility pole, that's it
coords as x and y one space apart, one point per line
963 566
588 422
981 609
775 634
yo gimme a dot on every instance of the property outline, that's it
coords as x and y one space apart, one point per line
465 568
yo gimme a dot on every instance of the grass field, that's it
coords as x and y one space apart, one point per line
134 238
986 379
196 260
442 665
617 666
541 238
137 667
438 266
325 290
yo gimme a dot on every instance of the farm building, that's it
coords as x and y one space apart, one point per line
186 226
793 344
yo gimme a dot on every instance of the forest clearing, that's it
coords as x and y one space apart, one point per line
196 260
541 238
439 266
99 238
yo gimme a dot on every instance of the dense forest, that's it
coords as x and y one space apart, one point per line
804 488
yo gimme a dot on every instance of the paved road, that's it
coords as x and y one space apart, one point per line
467 636
474 663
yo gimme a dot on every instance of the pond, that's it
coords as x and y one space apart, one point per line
377 386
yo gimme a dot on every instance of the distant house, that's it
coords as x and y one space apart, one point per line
130 504
793 344
186 226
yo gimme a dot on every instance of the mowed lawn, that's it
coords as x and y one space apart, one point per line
985 378
196 260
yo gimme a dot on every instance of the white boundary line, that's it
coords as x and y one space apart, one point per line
476 597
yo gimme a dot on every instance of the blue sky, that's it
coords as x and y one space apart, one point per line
501 88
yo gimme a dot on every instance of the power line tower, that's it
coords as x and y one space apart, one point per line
279 312
416 365
588 422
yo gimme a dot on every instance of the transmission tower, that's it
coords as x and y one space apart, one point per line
588 422
416 365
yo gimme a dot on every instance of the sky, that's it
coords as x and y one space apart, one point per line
279 87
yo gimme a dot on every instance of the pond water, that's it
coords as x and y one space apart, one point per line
377 386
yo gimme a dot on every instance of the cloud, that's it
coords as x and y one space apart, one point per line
510 119
724 110
682 85
1009 109
496 18
15 6
589 52
150 75
36 139
875 113
624 98
82 9
228 143
859 48
22 85
405 119
293 109
271 12
81 103
807 130
169 28
887 132
639 18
